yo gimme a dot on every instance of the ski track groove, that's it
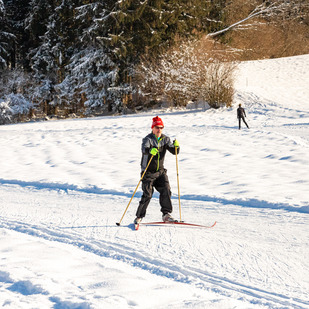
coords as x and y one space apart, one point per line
190 275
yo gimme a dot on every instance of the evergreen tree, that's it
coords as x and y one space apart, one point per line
3 46
37 20
38 23
5 37
93 70
56 46
91 82
17 11
42 60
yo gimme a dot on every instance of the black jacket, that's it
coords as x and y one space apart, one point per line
163 144
241 112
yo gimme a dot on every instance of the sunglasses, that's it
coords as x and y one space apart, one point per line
159 128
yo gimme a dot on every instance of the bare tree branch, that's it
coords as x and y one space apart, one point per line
289 9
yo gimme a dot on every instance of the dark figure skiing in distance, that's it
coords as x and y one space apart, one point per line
241 114
154 146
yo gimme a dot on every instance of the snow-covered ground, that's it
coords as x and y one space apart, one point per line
65 184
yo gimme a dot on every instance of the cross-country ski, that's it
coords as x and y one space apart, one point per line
183 224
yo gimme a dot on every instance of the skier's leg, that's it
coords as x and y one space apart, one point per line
239 123
245 123
163 187
147 186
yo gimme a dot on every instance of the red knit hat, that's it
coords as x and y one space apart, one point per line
157 121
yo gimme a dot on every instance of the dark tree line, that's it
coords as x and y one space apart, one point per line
80 56
73 54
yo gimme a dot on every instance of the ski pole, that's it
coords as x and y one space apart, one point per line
118 223
178 183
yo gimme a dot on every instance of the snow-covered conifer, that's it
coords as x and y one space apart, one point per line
17 12
6 37
91 81
2 43
13 106
55 48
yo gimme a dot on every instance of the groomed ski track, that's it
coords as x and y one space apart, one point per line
153 249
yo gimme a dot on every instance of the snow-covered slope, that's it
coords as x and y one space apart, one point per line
64 184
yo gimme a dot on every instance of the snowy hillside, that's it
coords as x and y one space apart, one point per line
64 184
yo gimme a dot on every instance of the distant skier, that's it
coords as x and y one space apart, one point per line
155 144
241 114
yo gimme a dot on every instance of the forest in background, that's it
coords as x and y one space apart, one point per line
81 58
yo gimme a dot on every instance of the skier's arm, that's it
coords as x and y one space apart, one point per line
171 148
146 145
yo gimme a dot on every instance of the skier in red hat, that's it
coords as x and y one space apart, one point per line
155 145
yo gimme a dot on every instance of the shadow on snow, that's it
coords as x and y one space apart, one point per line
253 203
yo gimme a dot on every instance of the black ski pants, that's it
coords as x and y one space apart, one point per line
243 119
159 181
